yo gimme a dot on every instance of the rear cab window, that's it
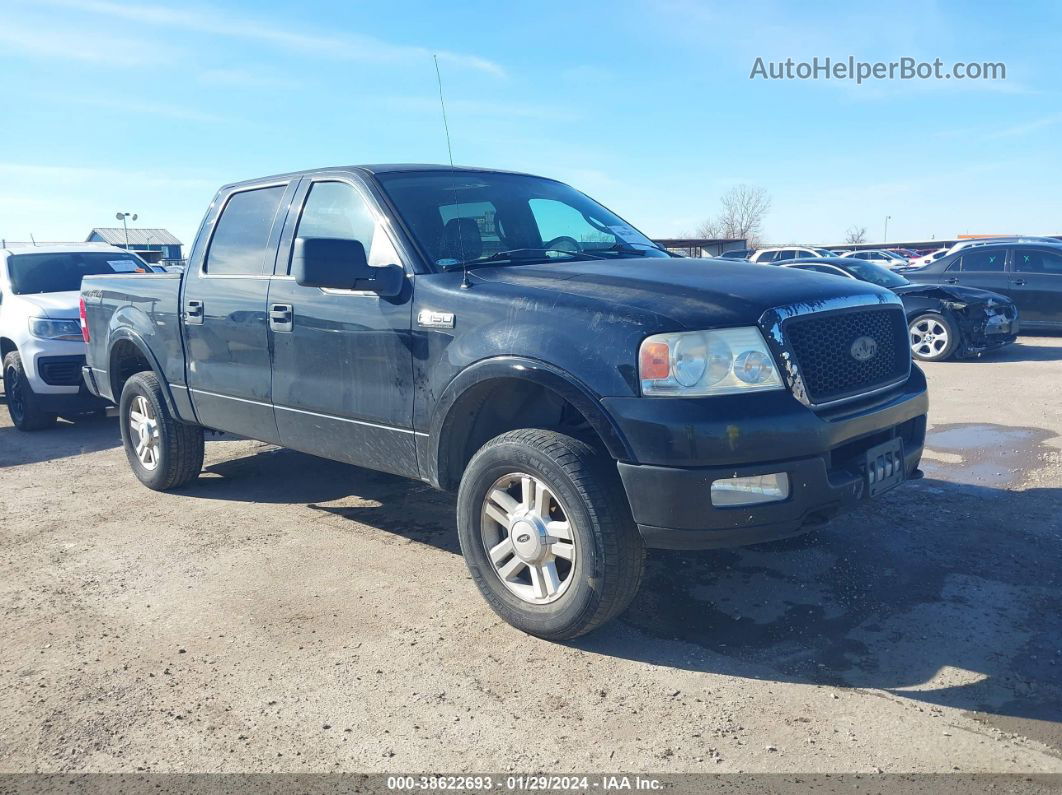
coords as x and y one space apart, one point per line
240 244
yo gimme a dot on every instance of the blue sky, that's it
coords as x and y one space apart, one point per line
646 105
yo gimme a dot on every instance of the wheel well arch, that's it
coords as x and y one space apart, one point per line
129 356
6 346
505 396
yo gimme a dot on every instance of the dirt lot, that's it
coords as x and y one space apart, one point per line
291 614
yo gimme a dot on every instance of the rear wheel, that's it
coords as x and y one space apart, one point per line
547 534
21 399
933 337
163 452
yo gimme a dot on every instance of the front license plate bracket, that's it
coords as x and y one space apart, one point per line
883 467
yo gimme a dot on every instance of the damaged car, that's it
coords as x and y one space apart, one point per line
945 321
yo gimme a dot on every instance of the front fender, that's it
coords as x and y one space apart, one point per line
534 371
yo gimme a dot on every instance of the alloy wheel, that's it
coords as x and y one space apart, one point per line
15 399
144 432
529 538
929 338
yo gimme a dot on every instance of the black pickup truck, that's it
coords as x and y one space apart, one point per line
587 394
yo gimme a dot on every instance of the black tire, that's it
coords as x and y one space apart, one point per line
937 350
609 553
21 399
179 445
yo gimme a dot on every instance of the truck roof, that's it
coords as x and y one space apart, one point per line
375 168
19 247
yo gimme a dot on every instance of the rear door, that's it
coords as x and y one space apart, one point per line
342 359
224 311
981 267
1036 285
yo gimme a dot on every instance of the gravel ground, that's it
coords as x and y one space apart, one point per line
291 614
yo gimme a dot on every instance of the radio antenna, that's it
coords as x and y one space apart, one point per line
450 153
33 239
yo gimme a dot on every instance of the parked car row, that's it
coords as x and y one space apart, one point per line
968 299
41 342
943 320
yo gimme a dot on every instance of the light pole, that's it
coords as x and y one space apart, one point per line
121 217
884 237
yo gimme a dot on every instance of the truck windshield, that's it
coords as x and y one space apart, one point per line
469 217
58 272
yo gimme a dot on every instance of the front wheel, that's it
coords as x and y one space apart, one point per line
547 534
21 399
933 337
163 452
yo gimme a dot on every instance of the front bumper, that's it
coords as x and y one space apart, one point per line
682 450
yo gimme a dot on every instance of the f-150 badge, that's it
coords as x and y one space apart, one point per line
429 318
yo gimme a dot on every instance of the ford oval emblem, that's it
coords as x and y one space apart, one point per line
864 349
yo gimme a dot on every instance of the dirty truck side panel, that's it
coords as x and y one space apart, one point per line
142 310
342 366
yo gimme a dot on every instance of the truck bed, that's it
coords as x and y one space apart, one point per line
142 306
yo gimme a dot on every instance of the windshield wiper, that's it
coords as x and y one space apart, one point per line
519 253
623 247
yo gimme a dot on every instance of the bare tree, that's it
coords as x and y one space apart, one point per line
856 234
743 210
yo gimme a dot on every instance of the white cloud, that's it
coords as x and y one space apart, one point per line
246 78
39 42
342 46
48 176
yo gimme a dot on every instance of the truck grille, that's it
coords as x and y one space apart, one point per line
824 345
61 370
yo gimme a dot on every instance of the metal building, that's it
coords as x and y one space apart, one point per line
153 245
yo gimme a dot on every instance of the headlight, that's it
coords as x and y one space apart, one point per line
47 329
692 363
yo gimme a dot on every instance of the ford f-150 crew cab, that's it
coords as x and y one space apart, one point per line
585 393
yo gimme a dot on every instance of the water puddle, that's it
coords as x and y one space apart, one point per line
982 454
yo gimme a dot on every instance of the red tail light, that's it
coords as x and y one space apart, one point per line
84 319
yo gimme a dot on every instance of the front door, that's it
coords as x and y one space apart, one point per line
984 268
224 310
342 363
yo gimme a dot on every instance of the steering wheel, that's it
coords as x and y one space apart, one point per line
564 243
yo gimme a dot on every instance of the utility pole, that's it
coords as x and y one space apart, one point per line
884 237
121 217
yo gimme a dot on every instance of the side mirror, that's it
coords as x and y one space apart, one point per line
342 265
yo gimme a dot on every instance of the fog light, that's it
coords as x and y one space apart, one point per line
751 490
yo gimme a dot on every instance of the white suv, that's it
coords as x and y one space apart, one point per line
770 255
40 330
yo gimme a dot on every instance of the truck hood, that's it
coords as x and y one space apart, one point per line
695 293
58 306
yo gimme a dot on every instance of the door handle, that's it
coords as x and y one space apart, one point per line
952 280
1019 282
193 312
280 317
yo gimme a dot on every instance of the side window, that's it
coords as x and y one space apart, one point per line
984 261
1033 261
335 209
241 236
768 256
